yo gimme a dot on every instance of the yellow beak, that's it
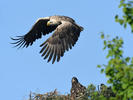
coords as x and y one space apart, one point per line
48 24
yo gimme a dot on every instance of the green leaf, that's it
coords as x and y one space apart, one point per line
105 43
132 27
102 36
110 81
116 18
121 1
121 21
125 25
127 59
99 66
132 60
131 75
130 93
124 10
102 70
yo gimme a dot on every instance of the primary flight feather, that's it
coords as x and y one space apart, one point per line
65 35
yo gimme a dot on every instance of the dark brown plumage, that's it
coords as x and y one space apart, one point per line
77 90
66 33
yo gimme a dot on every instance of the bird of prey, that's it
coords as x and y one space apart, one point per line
106 91
77 90
64 37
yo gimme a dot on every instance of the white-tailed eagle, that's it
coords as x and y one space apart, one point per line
65 35
78 90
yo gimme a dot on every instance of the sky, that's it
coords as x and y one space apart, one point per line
24 70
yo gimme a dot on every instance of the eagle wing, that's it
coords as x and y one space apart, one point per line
64 37
38 29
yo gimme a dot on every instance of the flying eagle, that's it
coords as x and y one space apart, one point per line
77 90
65 35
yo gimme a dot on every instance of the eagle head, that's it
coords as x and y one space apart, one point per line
53 23
74 80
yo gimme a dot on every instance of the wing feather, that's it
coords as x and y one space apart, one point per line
55 54
58 54
39 28
43 48
64 37
51 54
45 51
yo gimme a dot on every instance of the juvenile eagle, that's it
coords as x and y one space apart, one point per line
77 90
65 35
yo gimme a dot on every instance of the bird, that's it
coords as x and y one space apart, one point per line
77 90
106 91
65 35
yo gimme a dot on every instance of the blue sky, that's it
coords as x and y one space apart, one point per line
24 70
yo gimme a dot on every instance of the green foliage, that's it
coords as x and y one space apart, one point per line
119 69
127 18
99 94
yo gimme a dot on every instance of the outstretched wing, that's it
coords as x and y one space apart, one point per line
39 28
64 37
